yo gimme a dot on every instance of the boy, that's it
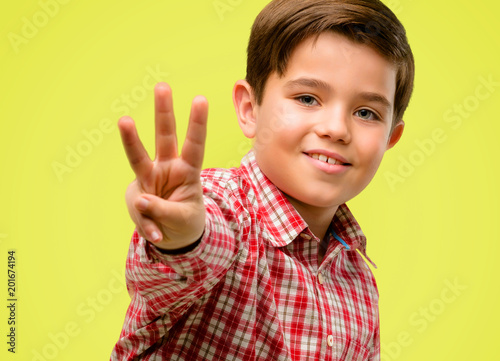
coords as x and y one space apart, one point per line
263 261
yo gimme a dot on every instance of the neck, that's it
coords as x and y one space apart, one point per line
317 218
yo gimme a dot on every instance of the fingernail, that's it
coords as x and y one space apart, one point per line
143 204
155 237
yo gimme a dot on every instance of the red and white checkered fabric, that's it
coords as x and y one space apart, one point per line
252 289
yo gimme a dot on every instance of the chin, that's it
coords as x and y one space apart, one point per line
319 201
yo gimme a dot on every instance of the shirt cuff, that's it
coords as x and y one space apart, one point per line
209 257
182 250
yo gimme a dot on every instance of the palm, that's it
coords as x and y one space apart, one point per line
173 177
169 180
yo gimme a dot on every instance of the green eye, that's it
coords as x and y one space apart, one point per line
367 114
307 100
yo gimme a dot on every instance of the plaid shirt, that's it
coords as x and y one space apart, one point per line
252 289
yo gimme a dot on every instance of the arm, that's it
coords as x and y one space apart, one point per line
167 205
164 287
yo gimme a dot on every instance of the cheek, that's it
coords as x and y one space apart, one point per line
280 113
371 152
289 116
279 125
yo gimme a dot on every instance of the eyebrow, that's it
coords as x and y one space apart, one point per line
377 98
308 82
320 84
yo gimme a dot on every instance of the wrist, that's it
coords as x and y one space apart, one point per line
174 248
182 250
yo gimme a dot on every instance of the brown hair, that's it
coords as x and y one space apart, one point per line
283 24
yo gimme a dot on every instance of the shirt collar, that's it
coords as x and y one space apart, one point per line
347 228
283 223
275 212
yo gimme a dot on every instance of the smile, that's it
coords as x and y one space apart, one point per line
327 159
329 164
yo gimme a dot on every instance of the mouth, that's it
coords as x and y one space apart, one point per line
330 159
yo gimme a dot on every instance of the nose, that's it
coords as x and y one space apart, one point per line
335 126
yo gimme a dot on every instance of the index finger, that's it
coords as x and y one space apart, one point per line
136 153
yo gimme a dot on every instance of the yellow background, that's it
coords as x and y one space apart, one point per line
435 227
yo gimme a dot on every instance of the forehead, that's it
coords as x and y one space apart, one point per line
343 64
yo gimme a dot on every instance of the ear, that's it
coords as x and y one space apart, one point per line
244 104
396 134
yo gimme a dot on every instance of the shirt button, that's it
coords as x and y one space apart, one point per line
320 278
330 340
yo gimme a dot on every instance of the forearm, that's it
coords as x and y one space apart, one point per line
209 259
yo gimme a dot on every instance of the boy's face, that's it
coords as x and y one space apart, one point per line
335 100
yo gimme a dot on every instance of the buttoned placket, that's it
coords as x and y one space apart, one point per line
323 310
331 350
330 324
326 319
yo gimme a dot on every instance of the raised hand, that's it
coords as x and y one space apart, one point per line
165 200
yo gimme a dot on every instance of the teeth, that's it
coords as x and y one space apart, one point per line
325 159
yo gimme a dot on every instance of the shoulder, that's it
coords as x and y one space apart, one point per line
218 175
238 188
228 196
225 181
231 189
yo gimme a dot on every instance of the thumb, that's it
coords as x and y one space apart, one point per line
169 213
